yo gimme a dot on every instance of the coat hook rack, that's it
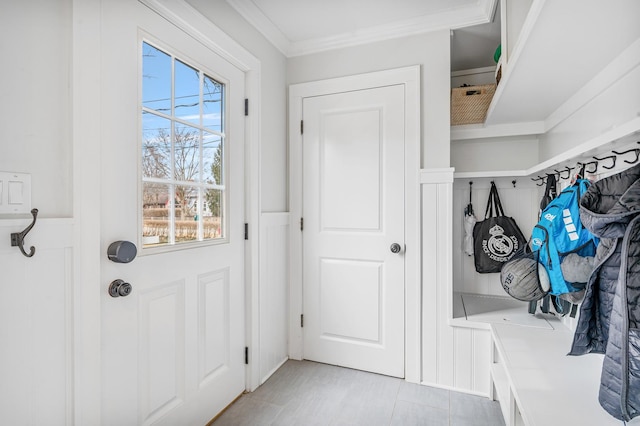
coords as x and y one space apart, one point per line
634 150
612 157
17 238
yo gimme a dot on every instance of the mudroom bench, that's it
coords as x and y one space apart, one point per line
537 383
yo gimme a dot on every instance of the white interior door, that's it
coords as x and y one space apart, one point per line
353 209
173 349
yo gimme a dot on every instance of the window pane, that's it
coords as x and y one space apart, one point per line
212 159
212 104
213 213
186 213
187 93
183 151
156 146
155 214
187 153
156 79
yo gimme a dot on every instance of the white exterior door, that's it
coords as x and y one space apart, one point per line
353 147
173 349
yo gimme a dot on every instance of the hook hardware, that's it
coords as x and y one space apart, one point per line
539 178
612 157
634 150
468 211
595 169
566 169
17 238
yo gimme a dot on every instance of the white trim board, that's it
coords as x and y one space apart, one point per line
410 78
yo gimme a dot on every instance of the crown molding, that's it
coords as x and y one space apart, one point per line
252 13
480 13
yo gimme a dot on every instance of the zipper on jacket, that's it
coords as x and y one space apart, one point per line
546 240
624 345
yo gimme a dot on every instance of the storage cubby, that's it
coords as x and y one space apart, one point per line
480 298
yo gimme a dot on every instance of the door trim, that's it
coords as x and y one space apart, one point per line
410 78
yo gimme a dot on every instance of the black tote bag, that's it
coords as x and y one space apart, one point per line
497 238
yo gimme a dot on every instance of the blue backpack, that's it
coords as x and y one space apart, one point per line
559 232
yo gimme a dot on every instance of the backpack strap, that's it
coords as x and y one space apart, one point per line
550 192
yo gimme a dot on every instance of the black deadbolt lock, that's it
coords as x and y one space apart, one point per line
122 251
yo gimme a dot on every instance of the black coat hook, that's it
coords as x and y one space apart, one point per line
17 238
634 150
566 169
539 178
612 157
595 169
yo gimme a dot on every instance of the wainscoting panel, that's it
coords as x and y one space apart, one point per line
274 292
36 328
452 357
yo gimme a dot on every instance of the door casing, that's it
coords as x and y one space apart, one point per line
410 78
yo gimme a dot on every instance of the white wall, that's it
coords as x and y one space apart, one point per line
494 154
273 123
473 77
430 50
35 115
35 138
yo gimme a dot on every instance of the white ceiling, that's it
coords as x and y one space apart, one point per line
298 27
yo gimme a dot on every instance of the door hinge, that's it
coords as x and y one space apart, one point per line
302 224
301 127
246 355
301 320
246 231
246 107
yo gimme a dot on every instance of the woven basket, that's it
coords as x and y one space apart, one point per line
469 104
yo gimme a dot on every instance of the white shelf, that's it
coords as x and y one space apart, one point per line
479 310
559 36
490 174
614 138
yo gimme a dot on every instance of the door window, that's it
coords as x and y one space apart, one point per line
183 152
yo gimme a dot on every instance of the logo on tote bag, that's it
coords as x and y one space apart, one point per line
499 247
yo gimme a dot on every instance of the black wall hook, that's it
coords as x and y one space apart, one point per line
595 168
610 157
634 150
543 179
566 169
17 238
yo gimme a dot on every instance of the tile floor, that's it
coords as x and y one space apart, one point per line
309 393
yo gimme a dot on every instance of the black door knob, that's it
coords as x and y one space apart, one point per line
395 248
119 288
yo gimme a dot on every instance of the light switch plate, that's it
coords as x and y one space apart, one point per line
15 193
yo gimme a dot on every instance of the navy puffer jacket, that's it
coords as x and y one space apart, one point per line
610 313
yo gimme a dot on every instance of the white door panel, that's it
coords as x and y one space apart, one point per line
353 209
173 350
